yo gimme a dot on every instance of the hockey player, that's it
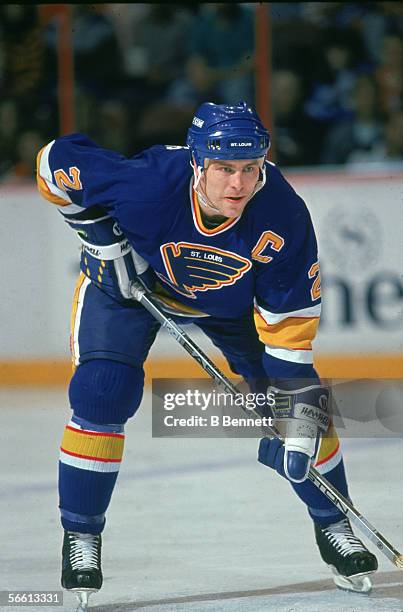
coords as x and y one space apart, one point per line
225 235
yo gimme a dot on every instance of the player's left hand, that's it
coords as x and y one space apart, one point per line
107 257
271 453
306 413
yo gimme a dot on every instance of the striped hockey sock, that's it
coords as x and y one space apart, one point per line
90 458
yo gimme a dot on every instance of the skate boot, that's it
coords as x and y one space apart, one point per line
81 565
350 561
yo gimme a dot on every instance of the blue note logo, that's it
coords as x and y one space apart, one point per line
196 267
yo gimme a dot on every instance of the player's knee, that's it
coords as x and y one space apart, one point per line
250 368
103 391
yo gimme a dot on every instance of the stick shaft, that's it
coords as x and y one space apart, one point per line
341 502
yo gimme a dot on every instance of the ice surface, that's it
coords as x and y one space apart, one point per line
194 524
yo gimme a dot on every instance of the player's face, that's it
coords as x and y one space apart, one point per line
229 185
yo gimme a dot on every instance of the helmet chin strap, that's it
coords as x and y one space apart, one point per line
202 197
262 180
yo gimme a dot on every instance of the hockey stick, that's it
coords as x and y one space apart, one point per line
141 295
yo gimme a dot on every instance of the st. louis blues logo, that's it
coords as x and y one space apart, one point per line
196 267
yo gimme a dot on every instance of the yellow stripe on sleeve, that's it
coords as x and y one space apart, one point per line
43 188
295 333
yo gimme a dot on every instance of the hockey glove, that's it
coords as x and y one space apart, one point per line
271 453
107 257
306 414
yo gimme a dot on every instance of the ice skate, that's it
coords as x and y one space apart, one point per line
350 562
81 565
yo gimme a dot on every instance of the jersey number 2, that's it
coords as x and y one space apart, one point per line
314 273
70 181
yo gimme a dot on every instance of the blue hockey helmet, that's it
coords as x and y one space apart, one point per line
220 131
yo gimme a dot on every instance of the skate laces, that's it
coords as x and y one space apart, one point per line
341 536
83 551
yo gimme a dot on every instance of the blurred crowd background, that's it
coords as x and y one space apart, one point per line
142 69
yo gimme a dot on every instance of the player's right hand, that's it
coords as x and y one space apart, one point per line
272 453
305 412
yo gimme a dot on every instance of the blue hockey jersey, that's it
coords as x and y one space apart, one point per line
266 258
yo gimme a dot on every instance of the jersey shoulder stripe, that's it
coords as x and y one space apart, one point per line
46 187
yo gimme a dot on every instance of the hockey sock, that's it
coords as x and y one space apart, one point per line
90 458
329 464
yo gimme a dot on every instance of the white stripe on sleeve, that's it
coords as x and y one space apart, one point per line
46 173
296 356
272 318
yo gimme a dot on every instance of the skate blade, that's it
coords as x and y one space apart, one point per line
360 583
83 598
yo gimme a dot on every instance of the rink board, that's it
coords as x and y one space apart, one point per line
358 218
